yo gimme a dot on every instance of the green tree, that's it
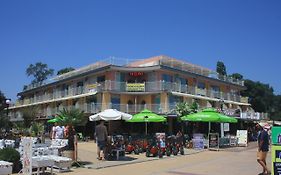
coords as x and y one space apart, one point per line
65 70
36 129
39 71
221 69
72 117
4 119
28 115
183 108
237 76
2 101
261 96
276 111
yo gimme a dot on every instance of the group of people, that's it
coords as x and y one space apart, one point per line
64 132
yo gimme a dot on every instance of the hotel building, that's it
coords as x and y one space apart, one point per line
156 83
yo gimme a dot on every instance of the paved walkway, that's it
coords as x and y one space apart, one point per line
230 161
87 156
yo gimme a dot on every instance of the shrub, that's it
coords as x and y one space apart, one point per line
13 156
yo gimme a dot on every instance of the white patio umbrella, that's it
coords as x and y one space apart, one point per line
110 114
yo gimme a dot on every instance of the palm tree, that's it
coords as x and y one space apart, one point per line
73 117
36 129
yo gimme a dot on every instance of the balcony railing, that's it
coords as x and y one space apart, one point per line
155 86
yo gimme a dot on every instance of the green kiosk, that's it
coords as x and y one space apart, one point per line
276 150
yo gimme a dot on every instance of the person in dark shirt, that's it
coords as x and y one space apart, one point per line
263 146
101 138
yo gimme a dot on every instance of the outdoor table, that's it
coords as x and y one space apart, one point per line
5 167
42 162
61 162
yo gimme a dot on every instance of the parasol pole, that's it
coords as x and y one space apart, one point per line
209 127
145 128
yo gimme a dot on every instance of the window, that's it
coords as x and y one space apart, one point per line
167 78
201 85
101 79
215 88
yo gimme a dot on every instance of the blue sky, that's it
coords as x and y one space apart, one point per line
245 35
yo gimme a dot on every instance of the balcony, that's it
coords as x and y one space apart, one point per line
115 86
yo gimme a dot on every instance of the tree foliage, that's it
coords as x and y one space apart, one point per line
2 101
221 69
28 115
261 96
39 71
4 119
183 108
36 129
65 70
237 76
72 117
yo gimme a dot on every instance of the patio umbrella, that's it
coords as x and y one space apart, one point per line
54 120
110 114
147 116
209 115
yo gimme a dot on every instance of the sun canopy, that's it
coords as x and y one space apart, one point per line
209 115
147 116
55 120
110 114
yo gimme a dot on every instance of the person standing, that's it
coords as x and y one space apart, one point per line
263 147
57 132
101 138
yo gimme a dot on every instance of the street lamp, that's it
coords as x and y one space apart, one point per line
7 101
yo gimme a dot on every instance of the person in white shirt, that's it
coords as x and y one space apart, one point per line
57 132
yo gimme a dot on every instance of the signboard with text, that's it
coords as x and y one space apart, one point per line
214 141
242 136
276 135
27 155
276 159
135 87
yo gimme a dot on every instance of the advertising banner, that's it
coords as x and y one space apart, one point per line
198 141
92 88
135 87
276 135
27 155
276 159
242 136
213 141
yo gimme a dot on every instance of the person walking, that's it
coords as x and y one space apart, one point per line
101 138
263 147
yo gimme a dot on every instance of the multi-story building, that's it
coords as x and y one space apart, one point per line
156 83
